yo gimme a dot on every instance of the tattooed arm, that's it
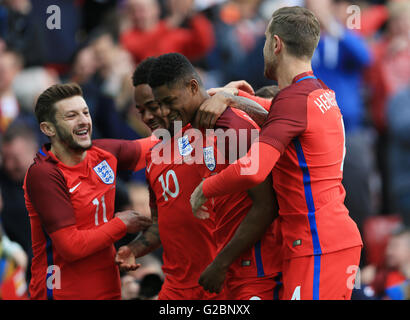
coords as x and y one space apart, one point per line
145 243
213 107
252 108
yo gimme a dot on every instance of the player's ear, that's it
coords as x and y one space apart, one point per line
48 128
194 86
277 44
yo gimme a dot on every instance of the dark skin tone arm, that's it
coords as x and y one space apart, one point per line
253 109
147 242
261 215
209 112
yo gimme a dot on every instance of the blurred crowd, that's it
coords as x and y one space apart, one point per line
363 55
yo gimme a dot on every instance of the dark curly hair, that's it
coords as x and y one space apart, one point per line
142 71
171 68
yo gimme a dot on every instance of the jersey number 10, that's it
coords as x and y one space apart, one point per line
165 184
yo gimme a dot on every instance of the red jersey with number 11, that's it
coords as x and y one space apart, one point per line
71 203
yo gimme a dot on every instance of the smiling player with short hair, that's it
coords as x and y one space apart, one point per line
69 193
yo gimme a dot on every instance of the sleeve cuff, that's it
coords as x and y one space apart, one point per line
116 229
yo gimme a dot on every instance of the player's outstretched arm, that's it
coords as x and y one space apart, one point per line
47 193
262 213
74 244
247 172
145 243
129 153
233 87
212 108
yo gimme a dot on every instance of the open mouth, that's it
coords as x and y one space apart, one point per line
82 132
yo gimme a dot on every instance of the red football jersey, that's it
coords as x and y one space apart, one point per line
264 258
66 201
187 242
193 241
305 125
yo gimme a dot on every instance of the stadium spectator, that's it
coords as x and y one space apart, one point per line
129 287
392 281
19 147
98 13
27 86
340 61
13 262
69 193
389 74
398 124
145 282
60 26
21 32
114 68
398 260
109 122
183 30
239 34
10 66
391 70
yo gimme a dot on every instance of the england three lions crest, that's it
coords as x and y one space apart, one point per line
184 146
209 158
104 171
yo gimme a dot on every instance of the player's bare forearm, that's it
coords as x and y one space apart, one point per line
253 109
253 226
149 240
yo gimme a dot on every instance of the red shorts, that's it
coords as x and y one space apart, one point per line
264 288
196 293
323 277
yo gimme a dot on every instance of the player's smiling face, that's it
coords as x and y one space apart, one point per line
177 101
73 123
151 113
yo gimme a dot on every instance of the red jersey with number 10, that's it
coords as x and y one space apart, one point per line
191 244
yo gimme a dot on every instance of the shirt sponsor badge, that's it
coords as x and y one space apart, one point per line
184 146
104 171
209 158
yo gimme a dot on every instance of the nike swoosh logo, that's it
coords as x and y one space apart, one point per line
149 168
75 187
